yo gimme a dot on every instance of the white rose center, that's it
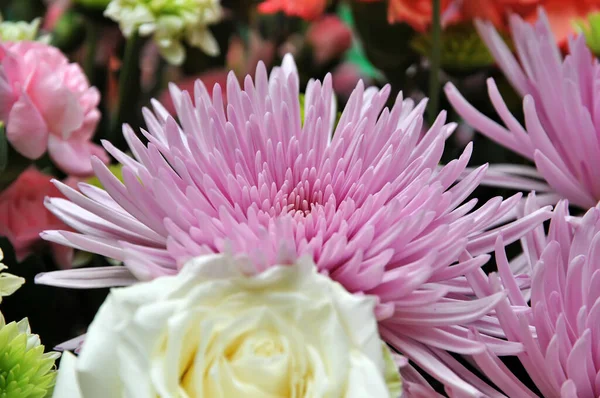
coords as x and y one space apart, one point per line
255 354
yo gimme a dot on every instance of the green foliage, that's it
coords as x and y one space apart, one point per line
462 48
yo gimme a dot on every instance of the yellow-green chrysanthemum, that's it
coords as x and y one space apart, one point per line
8 283
25 370
169 22
591 29
18 31
462 48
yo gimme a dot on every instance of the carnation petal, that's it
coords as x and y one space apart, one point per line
26 129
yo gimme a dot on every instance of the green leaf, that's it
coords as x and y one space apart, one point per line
3 148
356 54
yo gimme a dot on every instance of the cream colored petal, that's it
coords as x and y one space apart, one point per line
97 370
174 52
204 40
365 379
66 380
9 284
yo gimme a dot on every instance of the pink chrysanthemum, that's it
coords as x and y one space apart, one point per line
368 203
561 329
562 114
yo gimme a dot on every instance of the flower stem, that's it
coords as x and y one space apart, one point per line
435 60
90 55
129 88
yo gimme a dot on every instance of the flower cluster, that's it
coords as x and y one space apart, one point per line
373 213
293 217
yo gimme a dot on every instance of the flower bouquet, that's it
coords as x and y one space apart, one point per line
309 198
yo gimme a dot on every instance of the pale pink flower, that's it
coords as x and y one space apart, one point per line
561 329
366 200
47 104
562 114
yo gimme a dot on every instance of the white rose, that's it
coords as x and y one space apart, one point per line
213 331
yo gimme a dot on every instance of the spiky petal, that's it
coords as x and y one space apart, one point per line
562 113
560 331
368 203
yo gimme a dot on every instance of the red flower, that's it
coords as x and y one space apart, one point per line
416 13
23 215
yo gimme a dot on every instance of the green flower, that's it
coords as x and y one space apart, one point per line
462 48
169 22
115 169
302 112
25 370
8 283
18 31
591 30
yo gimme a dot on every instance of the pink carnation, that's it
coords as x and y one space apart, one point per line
366 200
48 105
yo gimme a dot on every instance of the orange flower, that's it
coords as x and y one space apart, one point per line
305 9
418 13
497 11
561 13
